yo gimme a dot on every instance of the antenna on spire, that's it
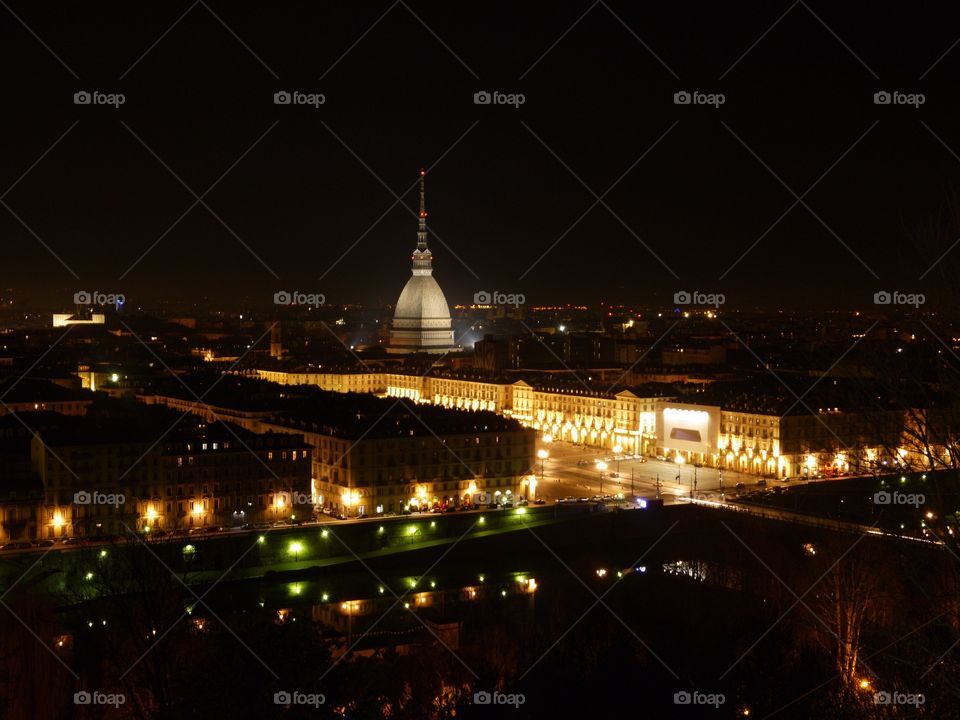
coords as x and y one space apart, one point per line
423 209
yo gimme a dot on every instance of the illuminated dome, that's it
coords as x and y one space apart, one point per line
421 321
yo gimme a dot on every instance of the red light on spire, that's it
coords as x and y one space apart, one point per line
422 172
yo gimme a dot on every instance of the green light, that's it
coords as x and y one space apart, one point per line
413 582
482 520
433 523
295 588
325 597
406 605
380 529
295 547
483 578
503 593
324 533
262 539
412 530
521 511
188 550
89 576
433 583
381 589
103 553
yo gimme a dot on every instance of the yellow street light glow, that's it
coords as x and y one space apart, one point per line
601 466
543 454
296 547
548 438
57 519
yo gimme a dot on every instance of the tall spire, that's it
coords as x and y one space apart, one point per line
422 257
422 229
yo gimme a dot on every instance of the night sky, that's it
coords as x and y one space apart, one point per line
504 184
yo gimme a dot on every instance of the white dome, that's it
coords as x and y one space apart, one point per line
422 304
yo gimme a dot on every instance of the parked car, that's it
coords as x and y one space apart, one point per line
43 543
740 486
70 541
539 501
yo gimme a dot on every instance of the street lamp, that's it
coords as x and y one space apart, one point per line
617 449
543 455
679 461
602 467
